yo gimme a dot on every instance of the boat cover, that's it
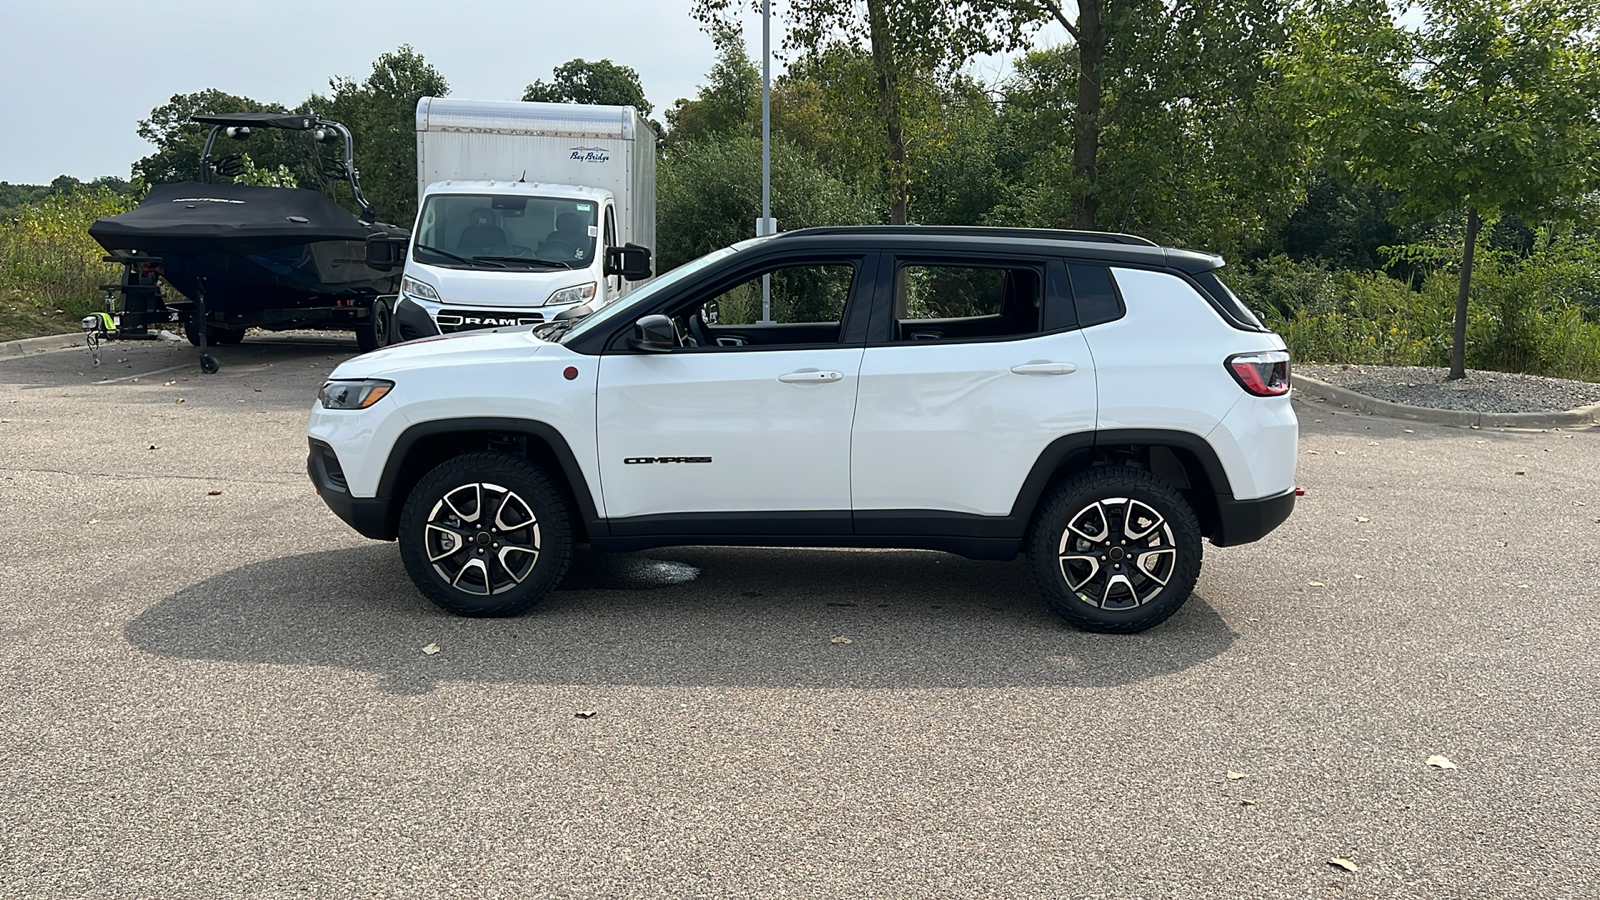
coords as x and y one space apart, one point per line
190 217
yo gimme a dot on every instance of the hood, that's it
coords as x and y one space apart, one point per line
499 288
450 349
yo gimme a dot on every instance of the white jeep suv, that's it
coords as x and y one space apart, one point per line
1095 400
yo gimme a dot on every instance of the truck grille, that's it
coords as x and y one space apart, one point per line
453 320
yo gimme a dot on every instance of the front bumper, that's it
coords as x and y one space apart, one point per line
371 516
1244 521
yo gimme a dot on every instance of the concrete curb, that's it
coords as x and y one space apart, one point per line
26 346
1307 386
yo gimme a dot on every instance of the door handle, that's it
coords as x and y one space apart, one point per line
810 376
1044 368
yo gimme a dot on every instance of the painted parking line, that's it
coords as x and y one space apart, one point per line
145 374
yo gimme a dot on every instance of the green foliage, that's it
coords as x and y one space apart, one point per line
709 195
1529 314
730 100
253 174
381 111
599 83
47 259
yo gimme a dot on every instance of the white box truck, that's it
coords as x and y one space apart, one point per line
526 212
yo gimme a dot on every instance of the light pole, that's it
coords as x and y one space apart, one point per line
766 225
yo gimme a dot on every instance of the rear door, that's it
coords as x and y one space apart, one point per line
977 367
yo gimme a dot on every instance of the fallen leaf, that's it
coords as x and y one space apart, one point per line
1235 776
1316 584
1579 503
841 639
1501 544
1362 519
1372 443
1409 431
154 447
1441 762
1358 577
1520 472
1247 803
431 649
179 400
213 493
1338 453
586 713
1312 452
1343 863
94 521
168 383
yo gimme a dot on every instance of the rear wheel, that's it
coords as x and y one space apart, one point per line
374 333
486 534
1115 549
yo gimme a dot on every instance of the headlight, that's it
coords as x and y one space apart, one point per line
576 294
418 288
353 394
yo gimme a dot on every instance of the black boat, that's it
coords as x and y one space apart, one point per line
247 256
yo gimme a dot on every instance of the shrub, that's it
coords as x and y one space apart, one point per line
47 258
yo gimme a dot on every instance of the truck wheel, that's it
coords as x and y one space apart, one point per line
1115 550
374 334
485 534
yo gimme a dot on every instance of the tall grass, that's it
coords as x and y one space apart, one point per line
48 260
1538 315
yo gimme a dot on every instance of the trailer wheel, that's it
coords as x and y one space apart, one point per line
374 333
208 365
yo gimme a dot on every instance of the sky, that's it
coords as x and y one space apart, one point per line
80 74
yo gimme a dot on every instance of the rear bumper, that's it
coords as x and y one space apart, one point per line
1243 521
367 515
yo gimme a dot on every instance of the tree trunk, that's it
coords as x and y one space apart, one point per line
883 66
1086 118
1458 344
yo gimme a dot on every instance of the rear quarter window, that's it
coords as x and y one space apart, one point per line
1095 294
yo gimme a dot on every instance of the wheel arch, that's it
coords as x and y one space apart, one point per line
423 446
1182 459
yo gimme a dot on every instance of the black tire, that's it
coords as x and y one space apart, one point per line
375 333
504 567
208 365
1112 572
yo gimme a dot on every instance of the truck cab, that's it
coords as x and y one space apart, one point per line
523 209
489 254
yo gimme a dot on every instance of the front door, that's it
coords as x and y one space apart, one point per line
745 420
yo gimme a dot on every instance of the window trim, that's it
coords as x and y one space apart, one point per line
852 325
1054 285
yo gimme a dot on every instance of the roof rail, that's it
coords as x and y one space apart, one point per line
1101 237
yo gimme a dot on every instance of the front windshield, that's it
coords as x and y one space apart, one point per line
497 231
643 294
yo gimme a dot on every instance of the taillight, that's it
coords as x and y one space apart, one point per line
1263 374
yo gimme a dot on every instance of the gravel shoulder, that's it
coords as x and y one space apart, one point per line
1480 391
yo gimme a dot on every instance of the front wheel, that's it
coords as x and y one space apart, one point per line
1115 550
486 534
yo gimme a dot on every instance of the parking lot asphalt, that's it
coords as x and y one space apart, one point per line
211 687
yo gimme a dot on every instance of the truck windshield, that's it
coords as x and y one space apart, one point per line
497 231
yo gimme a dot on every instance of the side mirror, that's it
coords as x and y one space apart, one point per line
385 253
631 261
654 334
710 312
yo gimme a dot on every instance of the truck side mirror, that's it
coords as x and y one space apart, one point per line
386 253
654 334
631 261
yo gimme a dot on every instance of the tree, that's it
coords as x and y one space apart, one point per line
1181 123
381 112
1487 106
599 83
901 37
729 101
710 195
